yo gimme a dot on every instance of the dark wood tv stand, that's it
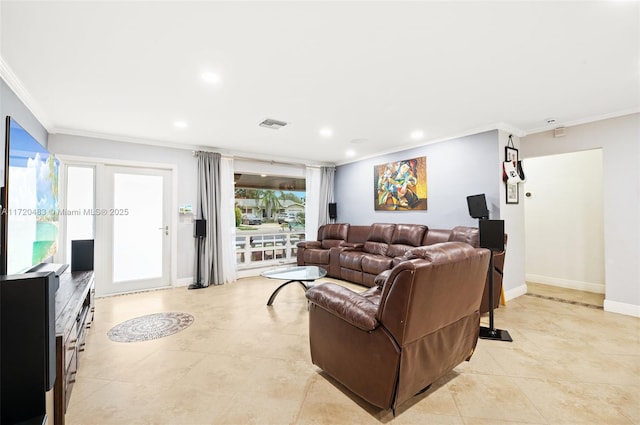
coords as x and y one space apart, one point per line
74 314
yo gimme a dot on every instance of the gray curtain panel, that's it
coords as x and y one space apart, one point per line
208 207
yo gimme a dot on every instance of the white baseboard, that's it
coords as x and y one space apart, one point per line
185 281
622 308
515 292
597 288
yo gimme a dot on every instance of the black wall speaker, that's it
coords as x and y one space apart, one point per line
492 234
333 210
477 206
82 255
199 228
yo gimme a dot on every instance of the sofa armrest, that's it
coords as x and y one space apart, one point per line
309 244
346 304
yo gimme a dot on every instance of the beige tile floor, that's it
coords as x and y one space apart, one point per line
242 362
567 295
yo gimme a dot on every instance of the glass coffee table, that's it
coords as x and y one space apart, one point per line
301 274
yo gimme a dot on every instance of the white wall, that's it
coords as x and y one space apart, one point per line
564 220
619 139
513 216
186 182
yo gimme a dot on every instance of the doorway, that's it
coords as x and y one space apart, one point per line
135 214
564 221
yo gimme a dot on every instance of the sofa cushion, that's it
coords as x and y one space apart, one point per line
351 260
334 234
405 237
379 238
374 264
436 236
408 234
470 235
316 256
398 250
443 251
330 243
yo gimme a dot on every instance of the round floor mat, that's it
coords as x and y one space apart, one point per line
151 326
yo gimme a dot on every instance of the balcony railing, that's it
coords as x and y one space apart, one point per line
259 249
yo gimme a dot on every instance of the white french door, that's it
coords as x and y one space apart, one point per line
136 214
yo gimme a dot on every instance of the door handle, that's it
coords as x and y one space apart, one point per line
166 230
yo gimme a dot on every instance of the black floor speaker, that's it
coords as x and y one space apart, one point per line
333 210
492 234
199 228
492 237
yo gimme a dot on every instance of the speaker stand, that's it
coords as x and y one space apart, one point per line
491 332
198 284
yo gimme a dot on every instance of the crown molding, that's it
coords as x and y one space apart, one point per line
14 83
580 121
185 146
129 139
477 130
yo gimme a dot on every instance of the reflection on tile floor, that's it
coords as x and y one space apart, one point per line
242 362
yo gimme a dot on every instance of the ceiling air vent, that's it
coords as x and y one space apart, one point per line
274 124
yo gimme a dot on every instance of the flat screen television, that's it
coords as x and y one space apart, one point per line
29 232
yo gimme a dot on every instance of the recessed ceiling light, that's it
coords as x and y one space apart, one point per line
180 124
350 153
263 175
326 132
210 77
417 134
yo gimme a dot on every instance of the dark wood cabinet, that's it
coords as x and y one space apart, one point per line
74 315
27 357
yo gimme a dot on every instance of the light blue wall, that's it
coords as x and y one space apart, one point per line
456 168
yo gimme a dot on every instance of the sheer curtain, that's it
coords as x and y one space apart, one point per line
319 189
207 208
227 220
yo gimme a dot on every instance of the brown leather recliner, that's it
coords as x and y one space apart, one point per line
316 253
390 342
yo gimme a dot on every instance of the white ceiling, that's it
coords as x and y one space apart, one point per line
371 71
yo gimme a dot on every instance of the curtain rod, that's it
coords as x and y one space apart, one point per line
266 161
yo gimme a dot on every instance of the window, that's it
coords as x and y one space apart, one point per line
263 199
79 205
269 219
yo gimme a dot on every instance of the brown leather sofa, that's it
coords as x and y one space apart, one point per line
316 253
392 341
357 253
385 243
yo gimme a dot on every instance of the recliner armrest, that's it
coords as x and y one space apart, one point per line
346 304
310 244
